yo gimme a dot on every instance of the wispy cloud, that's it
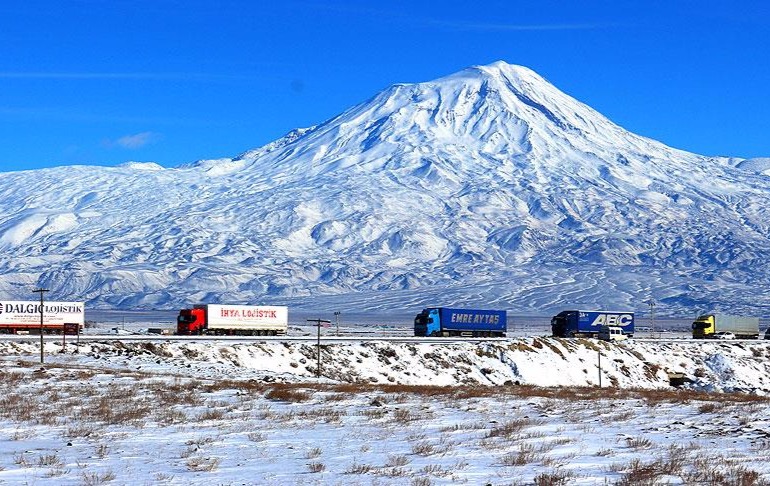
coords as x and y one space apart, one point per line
122 76
498 27
400 16
133 142
75 115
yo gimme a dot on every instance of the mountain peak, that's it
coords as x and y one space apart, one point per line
499 70
504 68
497 109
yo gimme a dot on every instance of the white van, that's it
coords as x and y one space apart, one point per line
612 333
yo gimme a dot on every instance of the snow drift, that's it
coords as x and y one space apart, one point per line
545 362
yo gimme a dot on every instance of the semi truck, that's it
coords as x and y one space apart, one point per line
707 326
23 317
445 322
240 320
583 323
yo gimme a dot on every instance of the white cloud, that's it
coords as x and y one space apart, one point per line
493 27
135 141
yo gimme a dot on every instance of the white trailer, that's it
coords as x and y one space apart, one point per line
24 316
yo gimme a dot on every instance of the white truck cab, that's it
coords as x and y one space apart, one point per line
611 333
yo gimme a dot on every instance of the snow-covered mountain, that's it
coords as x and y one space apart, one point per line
488 187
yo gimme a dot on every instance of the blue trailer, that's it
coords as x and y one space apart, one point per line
579 323
443 321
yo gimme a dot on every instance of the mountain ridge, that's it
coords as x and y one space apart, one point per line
485 187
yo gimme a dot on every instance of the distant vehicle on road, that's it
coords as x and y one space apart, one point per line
239 320
707 325
445 322
724 335
612 333
583 323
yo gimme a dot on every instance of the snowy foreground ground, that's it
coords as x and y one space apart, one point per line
520 411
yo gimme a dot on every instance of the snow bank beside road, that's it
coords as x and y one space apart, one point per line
712 366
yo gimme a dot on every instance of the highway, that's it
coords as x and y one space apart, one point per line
330 339
241 339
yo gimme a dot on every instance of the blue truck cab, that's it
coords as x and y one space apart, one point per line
445 322
579 323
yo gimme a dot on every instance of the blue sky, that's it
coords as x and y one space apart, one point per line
104 82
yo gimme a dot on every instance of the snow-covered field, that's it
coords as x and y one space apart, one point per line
520 411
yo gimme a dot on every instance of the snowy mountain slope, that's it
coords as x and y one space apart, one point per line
488 187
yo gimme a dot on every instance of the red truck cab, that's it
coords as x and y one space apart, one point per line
191 321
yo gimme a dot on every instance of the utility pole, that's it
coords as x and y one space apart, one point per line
318 344
652 316
600 369
41 291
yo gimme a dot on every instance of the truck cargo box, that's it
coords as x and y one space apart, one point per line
18 316
445 321
582 323
246 316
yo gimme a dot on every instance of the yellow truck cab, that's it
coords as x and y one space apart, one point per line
703 327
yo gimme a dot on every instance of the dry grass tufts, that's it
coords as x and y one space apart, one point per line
638 443
188 392
640 473
256 436
357 468
289 395
710 407
719 471
403 416
212 414
510 428
94 479
421 481
313 453
526 454
326 414
48 460
618 417
374 413
101 451
423 448
203 464
553 478
77 431
397 461
336 397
